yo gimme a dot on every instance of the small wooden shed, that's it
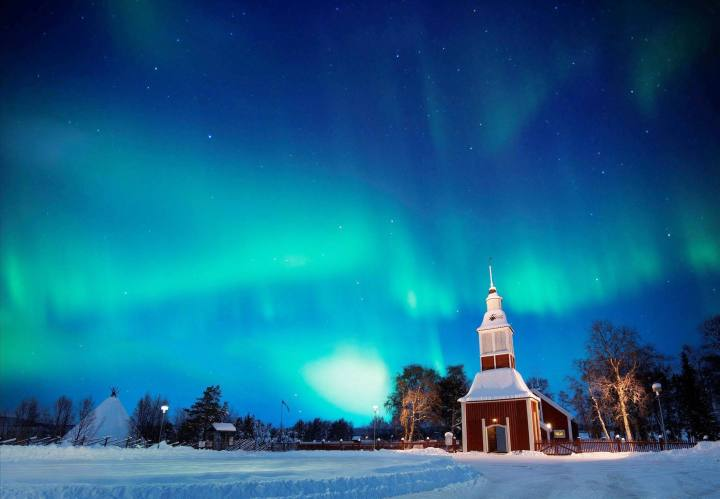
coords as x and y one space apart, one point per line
221 436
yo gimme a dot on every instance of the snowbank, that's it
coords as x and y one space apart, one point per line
45 472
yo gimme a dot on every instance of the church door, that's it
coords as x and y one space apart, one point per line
497 441
492 440
501 440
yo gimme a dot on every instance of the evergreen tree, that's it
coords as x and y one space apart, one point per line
299 429
340 429
710 361
695 409
317 430
206 410
246 426
450 388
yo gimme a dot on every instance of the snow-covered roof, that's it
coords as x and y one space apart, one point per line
498 384
552 403
109 419
493 319
224 427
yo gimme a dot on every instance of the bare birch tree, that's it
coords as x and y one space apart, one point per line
86 421
596 394
611 370
146 418
415 398
62 414
419 405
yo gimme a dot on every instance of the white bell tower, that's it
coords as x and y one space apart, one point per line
495 334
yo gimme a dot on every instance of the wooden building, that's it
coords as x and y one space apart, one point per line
562 426
500 413
220 436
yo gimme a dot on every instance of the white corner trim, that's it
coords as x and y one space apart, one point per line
531 432
508 440
484 436
464 427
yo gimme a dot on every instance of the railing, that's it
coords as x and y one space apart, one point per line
566 447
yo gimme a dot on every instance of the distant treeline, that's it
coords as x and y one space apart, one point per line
611 395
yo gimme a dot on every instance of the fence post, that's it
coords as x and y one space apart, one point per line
105 444
618 444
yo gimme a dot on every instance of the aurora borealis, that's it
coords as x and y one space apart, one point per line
295 200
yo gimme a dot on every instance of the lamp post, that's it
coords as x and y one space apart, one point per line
375 413
164 408
657 388
548 427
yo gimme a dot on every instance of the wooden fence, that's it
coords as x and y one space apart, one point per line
382 444
566 447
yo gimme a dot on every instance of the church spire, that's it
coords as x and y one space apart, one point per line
495 333
492 284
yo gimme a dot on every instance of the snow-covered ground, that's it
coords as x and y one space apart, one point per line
175 473
170 472
671 474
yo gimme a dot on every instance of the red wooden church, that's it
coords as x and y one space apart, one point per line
500 413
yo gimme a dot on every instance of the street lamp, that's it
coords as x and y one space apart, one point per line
164 408
375 413
657 388
548 427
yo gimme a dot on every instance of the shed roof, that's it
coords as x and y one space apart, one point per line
498 384
224 427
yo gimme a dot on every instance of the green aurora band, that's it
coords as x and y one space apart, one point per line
164 246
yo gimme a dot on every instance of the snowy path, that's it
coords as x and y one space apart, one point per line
675 474
431 474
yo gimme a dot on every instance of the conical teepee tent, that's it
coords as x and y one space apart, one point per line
109 419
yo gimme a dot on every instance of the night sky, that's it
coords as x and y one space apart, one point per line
295 200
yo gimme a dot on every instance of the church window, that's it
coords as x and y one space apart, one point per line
501 342
486 345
